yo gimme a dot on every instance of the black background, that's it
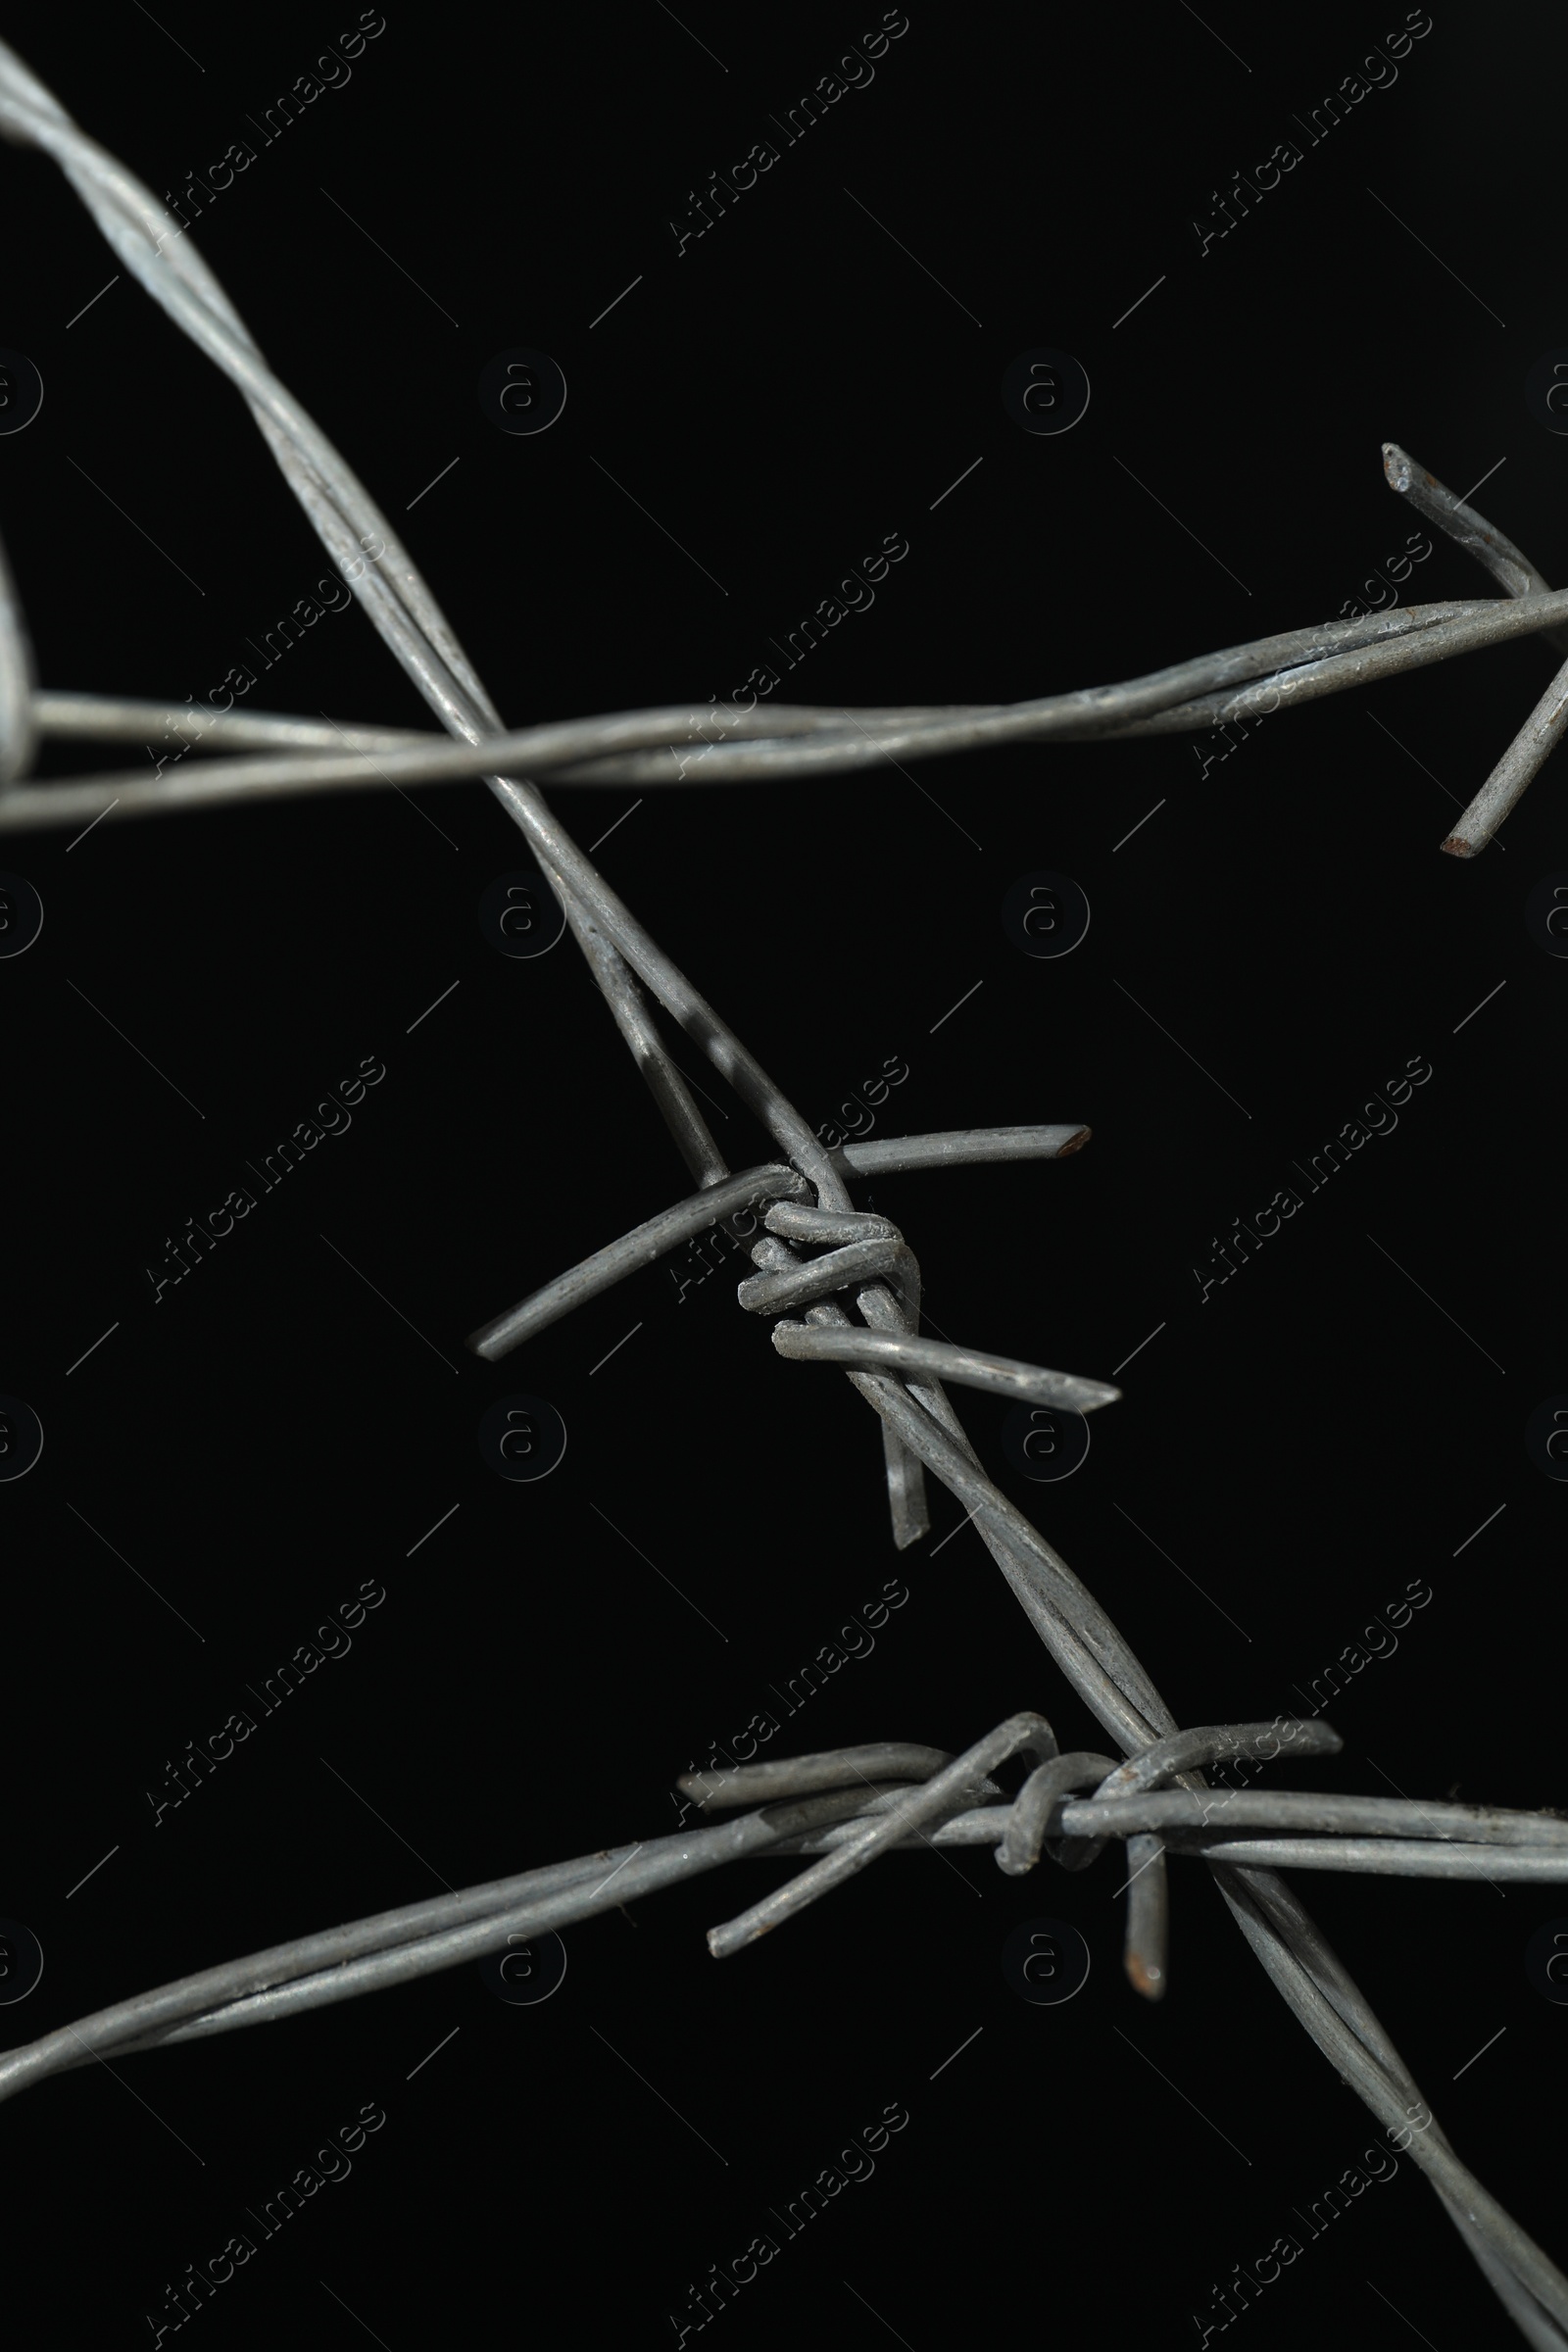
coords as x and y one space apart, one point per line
741 429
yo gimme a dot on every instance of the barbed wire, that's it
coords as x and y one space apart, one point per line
797 740
850 1805
847 1806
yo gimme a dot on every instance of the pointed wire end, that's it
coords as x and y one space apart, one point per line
1145 1978
1088 1395
1075 1142
1457 847
489 1341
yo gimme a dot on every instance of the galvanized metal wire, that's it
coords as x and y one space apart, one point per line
846 1807
850 1805
645 747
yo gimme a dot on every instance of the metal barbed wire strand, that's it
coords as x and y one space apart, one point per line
1028 1733
1113 1811
1520 763
405 616
1328 1999
769 746
1387 1857
749 1189
419 1940
1543 730
1509 565
828 1803
693 1138
1331 2005
405 613
1310 1975
1321 1994
1310 663
882 1813
1145 1914
906 1485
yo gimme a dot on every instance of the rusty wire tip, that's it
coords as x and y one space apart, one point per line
1146 1978
1457 847
1075 1142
